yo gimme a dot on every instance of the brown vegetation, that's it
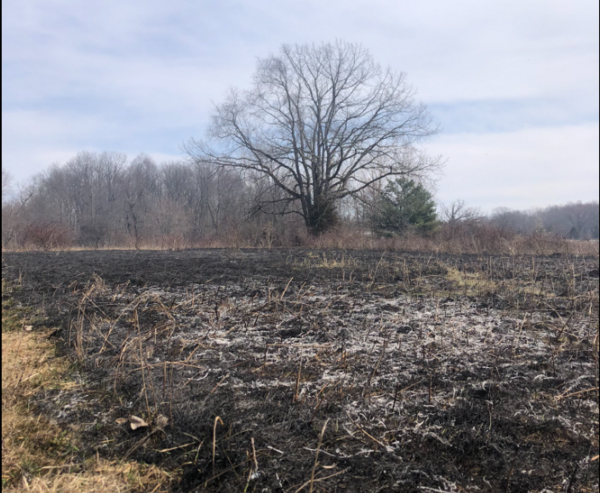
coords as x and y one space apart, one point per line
39 454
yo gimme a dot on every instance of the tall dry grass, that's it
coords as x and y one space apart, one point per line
481 239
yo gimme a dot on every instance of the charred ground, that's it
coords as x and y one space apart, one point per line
260 370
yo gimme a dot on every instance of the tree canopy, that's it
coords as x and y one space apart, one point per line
404 205
320 122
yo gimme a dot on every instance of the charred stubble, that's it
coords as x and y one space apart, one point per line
432 370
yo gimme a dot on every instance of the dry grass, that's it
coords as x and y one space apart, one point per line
98 477
37 455
484 240
470 282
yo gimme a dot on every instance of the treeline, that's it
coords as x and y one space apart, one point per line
576 221
100 200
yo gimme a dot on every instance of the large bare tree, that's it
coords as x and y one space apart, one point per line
320 122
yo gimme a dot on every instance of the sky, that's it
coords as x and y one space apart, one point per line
514 84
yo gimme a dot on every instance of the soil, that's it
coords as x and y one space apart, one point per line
353 371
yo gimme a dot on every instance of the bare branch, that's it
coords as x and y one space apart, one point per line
321 122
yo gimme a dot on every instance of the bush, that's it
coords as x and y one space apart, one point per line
46 236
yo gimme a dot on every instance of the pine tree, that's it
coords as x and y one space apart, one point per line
404 205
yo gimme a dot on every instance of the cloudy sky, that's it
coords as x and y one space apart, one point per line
514 83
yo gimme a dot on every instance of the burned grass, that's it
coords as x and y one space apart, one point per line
38 453
292 370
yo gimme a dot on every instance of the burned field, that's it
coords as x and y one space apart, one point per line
291 370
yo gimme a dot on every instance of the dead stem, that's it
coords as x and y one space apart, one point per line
218 420
312 474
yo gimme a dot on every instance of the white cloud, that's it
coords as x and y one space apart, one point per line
50 138
524 169
143 75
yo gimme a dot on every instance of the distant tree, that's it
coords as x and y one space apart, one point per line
522 222
6 184
141 189
459 219
403 205
13 216
320 123
573 220
459 213
582 218
91 180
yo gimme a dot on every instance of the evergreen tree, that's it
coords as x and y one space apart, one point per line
404 205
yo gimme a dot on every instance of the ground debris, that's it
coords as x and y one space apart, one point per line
431 371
